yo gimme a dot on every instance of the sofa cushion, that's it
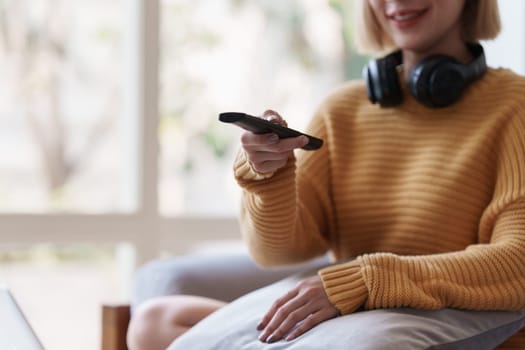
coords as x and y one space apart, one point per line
234 327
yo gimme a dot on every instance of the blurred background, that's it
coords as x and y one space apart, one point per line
110 149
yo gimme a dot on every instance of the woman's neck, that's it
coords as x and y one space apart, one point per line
456 49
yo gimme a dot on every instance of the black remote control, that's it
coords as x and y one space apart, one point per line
262 126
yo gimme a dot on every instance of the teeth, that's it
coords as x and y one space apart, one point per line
405 17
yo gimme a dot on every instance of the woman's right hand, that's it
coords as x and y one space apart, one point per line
266 152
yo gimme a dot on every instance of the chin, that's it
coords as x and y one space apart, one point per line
411 40
410 45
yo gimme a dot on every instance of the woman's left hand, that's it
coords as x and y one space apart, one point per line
306 304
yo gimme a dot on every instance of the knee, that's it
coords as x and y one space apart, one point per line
158 322
146 322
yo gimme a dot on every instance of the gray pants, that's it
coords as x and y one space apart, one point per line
223 277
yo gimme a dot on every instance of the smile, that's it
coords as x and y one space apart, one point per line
406 17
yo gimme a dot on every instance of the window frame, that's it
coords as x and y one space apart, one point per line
148 232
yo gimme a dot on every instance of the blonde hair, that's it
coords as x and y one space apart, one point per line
480 19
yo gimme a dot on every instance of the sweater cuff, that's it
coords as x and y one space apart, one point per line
244 171
345 286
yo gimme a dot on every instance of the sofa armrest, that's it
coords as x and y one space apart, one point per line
115 321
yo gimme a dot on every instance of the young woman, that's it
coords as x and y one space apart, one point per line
420 196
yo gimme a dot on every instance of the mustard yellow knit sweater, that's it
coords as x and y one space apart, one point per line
422 208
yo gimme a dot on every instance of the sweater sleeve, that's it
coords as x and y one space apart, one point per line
286 216
489 275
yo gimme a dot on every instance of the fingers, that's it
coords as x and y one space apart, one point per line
268 166
251 141
266 152
275 306
267 161
301 309
271 142
284 320
273 117
310 322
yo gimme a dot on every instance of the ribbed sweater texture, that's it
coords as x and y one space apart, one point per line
421 208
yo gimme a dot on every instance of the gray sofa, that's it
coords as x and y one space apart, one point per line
229 277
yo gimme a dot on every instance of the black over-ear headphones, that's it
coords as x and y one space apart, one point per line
436 81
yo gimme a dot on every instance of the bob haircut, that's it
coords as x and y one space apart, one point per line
480 19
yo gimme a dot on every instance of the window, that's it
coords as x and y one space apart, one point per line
61 106
509 49
244 56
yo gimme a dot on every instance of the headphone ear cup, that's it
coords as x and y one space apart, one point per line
382 81
373 88
437 81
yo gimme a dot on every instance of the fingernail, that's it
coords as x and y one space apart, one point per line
290 338
271 339
260 326
305 139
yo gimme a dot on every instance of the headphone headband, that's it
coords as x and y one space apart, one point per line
478 66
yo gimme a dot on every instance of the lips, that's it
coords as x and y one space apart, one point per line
404 18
